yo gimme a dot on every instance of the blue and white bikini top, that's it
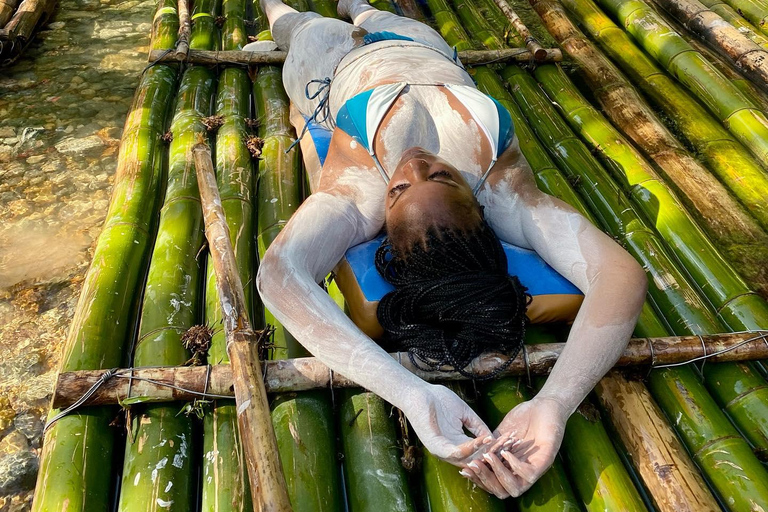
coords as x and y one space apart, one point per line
361 115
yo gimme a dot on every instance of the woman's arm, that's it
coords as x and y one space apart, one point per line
614 287
312 243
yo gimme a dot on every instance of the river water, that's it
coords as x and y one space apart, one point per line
62 108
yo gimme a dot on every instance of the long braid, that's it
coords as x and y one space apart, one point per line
453 299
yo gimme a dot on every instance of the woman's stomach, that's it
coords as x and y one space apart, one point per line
390 62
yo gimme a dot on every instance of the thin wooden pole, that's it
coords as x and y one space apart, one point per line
185 28
276 57
259 442
539 53
305 373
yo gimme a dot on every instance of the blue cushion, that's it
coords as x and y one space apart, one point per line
534 273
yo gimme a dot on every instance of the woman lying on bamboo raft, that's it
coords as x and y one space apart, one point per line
437 165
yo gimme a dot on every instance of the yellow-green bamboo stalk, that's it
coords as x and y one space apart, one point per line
743 242
720 152
729 105
158 470
756 11
76 461
304 423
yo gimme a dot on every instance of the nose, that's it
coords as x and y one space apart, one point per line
416 163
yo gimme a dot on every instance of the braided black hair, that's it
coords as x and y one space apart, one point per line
453 299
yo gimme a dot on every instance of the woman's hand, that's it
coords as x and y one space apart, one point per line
528 440
438 417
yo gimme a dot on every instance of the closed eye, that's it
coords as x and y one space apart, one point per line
444 173
398 188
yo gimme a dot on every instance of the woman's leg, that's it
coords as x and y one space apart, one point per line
371 19
315 46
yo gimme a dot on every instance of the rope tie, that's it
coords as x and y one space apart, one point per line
323 107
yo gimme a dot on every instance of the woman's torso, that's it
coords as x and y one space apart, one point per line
424 115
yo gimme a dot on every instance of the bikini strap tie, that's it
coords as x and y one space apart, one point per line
322 109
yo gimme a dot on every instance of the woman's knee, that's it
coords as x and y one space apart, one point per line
287 26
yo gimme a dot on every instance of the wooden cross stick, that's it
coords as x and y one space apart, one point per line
259 443
181 383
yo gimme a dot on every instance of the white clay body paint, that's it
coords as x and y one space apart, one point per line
348 209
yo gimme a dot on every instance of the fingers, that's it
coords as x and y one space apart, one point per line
511 482
467 449
485 478
525 471
504 441
475 425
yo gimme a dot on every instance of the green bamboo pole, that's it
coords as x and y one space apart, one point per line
304 423
157 470
717 280
325 8
739 236
493 16
449 25
165 25
205 32
374 473
552 492
756 11
676 305
233 31
447 490
739 115
718 149
224 485
474 23
75 467
384 5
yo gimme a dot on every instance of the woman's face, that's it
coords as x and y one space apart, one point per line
426 190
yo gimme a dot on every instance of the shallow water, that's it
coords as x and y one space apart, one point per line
62 108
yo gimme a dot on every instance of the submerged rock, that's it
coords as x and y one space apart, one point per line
18 466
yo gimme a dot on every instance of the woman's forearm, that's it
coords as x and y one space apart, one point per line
312 317
598 336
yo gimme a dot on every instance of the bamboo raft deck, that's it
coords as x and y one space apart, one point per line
18 23
644 135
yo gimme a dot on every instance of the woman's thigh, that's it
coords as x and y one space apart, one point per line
315 47
386 21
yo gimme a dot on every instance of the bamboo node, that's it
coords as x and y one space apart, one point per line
254 145
197 339
213 123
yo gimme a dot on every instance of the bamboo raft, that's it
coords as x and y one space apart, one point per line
18 23
656 139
